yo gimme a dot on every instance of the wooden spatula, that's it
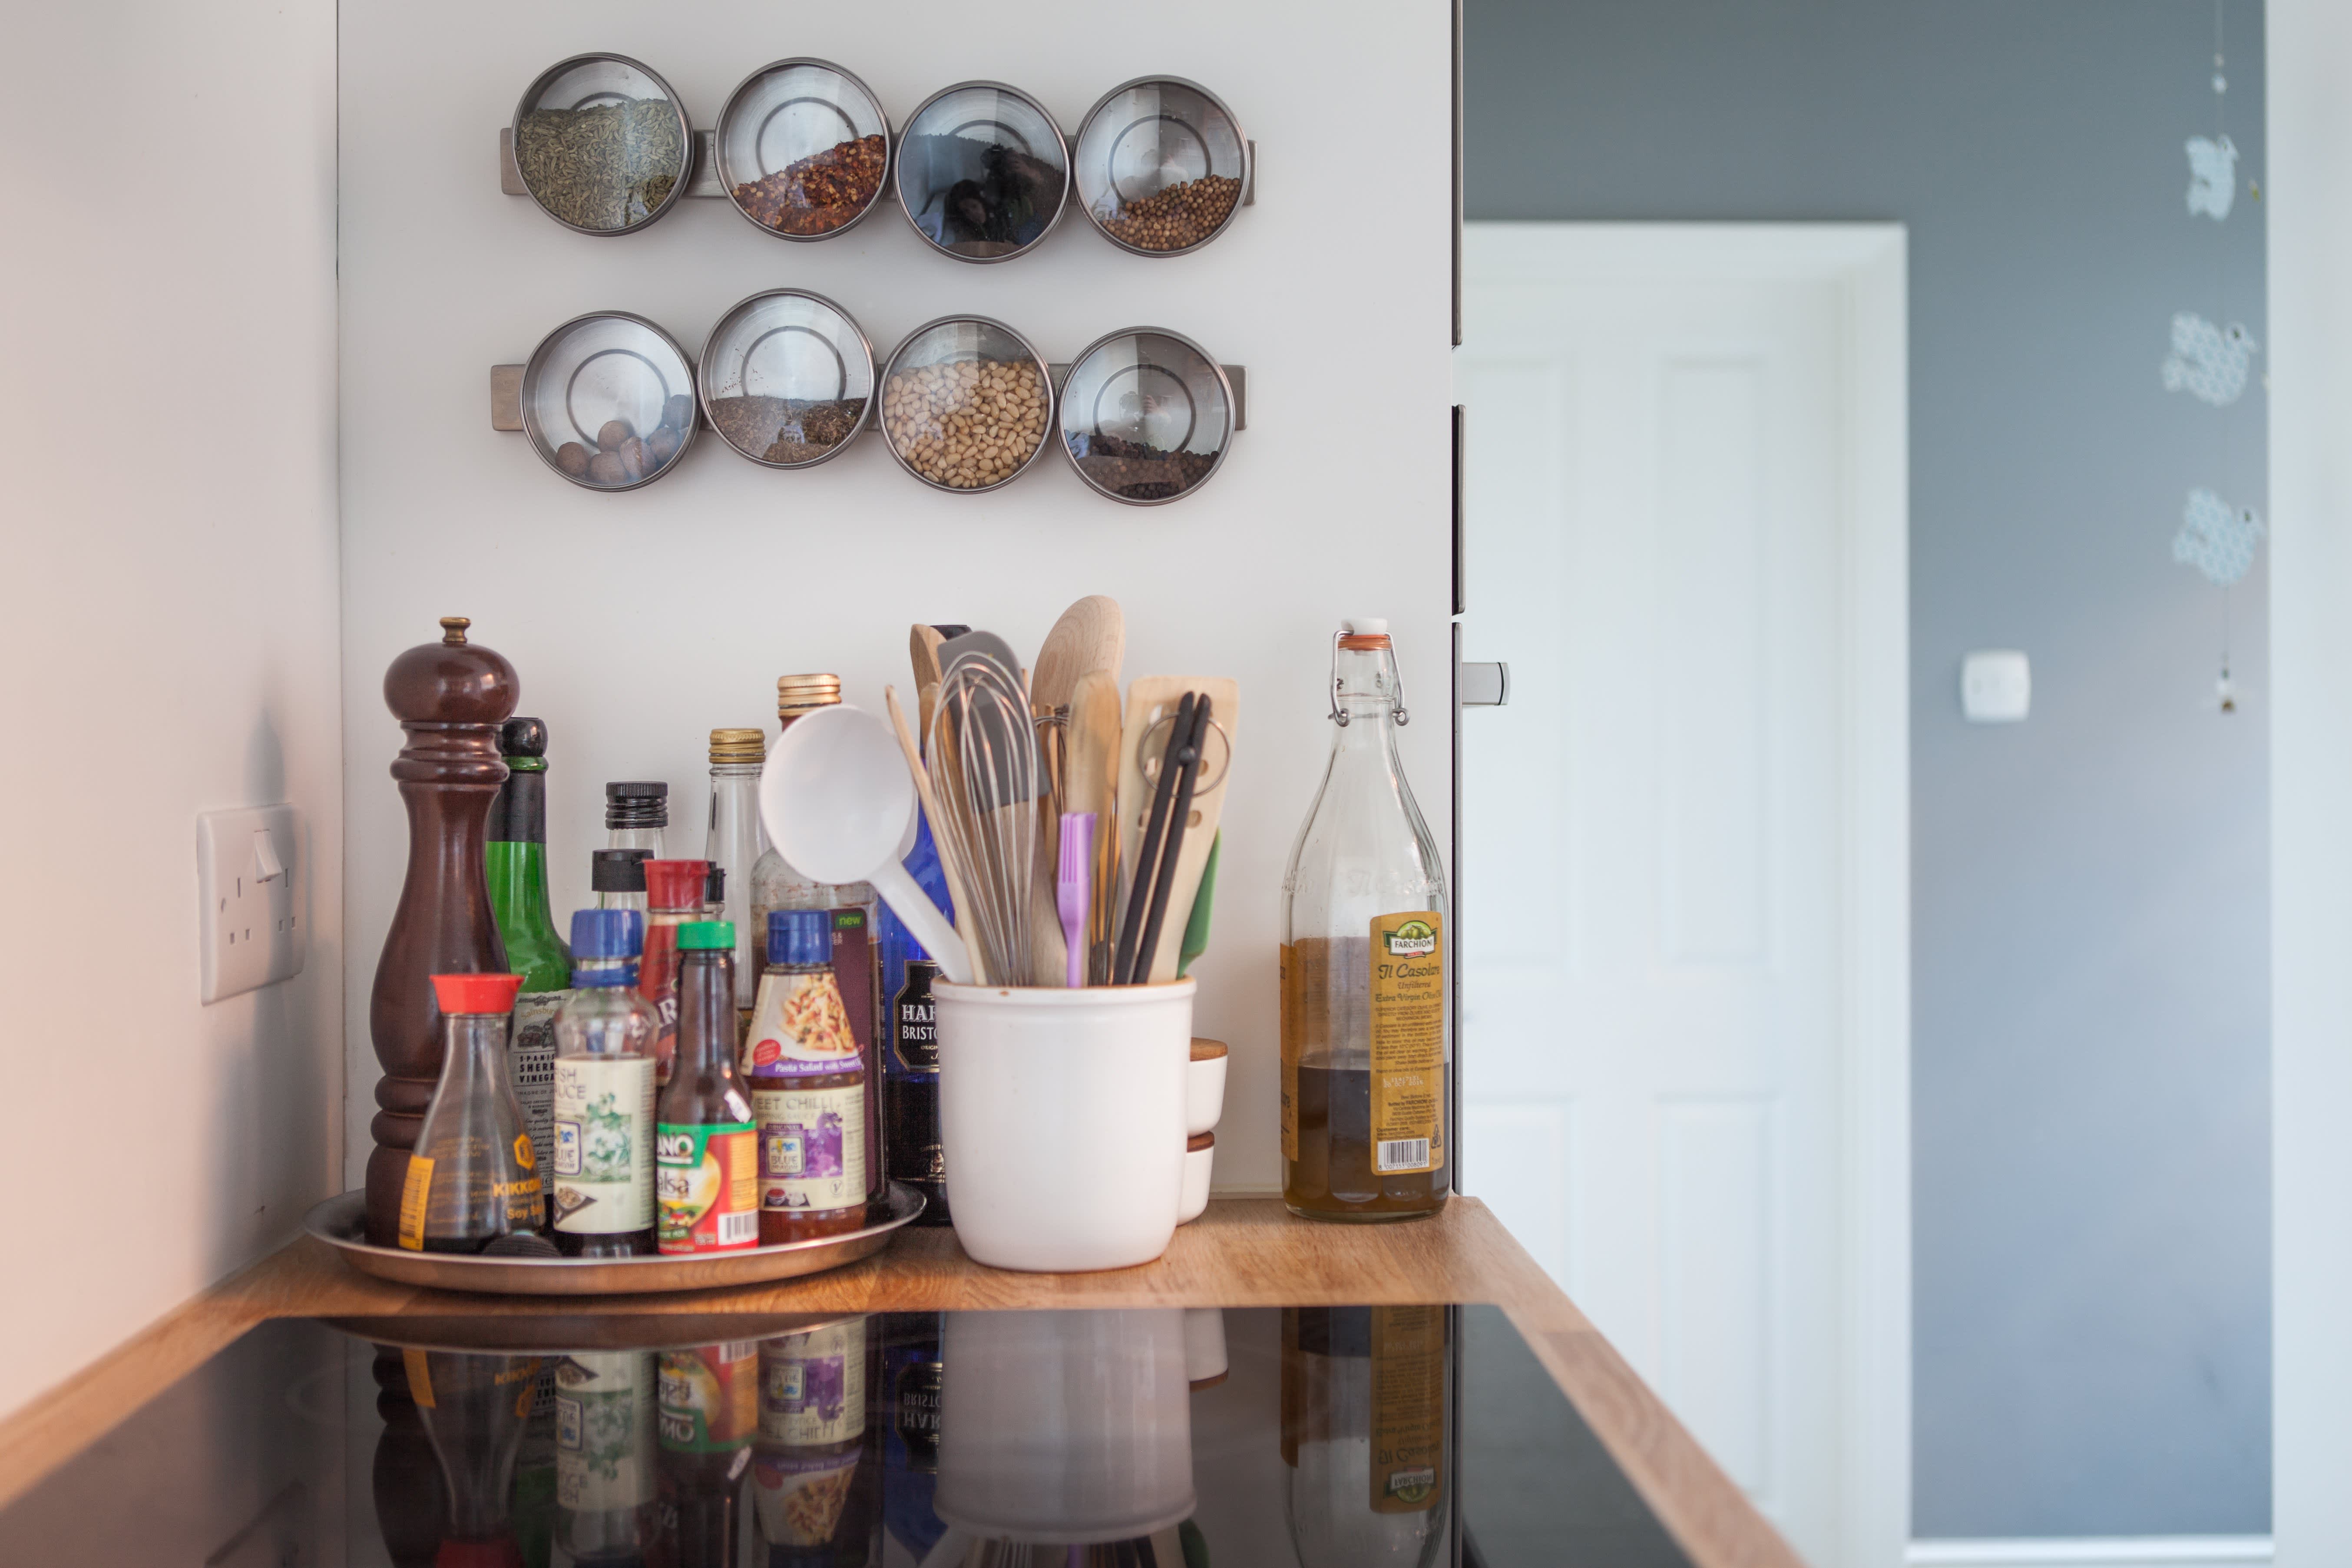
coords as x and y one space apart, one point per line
1150 698
1091 634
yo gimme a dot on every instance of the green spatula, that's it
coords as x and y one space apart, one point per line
1196 930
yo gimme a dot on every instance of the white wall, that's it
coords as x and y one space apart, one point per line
640 621
2309 194
170 648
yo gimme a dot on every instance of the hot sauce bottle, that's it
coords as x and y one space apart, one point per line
706 1172
808 1087
472 1177
710 1409
673 891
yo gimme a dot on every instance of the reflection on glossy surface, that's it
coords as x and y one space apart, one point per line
1146 1438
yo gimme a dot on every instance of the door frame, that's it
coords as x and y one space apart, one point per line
1867 264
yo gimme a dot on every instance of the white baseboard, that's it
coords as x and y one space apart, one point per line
2106 1552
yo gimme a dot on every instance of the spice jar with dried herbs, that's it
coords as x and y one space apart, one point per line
602 144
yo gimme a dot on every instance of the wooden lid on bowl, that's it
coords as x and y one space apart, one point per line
1200 1141
1207 1050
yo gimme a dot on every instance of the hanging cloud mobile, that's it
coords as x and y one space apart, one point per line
2209 361
2216 538
2212 176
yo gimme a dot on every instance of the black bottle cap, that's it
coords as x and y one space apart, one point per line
523 738
714 886
617 870
636 803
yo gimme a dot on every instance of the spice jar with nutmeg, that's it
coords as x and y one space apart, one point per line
966 404
1161 165
608 401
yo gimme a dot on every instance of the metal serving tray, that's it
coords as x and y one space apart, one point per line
341 1222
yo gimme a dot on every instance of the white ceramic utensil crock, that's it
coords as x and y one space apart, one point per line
1062 1120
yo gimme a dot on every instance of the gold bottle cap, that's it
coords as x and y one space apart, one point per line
453 630
738 746
797 694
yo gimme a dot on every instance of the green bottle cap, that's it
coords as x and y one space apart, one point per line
694 935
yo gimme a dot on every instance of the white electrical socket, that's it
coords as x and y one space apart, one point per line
249 865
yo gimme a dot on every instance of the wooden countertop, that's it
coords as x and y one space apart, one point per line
1245 1252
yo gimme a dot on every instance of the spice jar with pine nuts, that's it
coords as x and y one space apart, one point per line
1161 165
966 404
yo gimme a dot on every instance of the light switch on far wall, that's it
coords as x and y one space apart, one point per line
249 868
1996 687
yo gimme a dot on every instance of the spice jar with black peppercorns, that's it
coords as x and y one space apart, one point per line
1161 166
802 148
1147 416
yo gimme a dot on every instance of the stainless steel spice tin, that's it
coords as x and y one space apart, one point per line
804 149
1147 416
787 378
966 404
602 144
608 401
984 172
1160 167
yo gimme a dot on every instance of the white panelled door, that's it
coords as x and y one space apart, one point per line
1656 880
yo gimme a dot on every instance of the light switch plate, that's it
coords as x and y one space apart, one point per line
1996 687
249 865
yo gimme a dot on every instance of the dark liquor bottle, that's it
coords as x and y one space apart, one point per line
909 1044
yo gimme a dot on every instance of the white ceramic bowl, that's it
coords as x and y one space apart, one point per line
1199 1154
1062 1120
1204 1087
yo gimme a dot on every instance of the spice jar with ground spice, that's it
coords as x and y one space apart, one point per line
983 172
602 144
786 378
966 404
608 401
802 147
1147 416
1161 165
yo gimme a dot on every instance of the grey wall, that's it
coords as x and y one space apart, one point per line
2090 1119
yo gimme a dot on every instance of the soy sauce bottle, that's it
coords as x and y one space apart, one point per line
472 1177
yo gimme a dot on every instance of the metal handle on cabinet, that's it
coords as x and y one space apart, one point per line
1486 684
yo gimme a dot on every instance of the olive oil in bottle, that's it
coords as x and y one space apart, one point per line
1364 1045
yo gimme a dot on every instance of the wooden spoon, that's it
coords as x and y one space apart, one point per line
1091 634
923 652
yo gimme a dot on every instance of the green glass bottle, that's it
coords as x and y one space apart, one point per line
515 857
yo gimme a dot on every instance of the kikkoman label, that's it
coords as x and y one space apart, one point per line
1408 1041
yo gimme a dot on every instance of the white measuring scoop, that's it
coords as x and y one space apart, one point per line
839 806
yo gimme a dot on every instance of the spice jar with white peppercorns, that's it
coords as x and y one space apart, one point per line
966 404
1161 165
608 401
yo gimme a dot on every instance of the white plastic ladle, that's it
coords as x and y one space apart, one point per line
839 806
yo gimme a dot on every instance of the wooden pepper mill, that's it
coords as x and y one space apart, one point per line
451 697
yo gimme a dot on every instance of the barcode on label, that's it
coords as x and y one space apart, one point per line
1404 1154
736 1228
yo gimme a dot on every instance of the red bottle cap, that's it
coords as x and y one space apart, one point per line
476 992
675 884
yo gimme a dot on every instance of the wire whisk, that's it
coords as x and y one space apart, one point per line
985 766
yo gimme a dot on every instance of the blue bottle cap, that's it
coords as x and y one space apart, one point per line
608 933
624 974
800 936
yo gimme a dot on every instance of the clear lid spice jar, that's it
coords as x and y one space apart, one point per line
984 172
1147 416
1160 167
803 148
608 401
786 378
602 144
966 404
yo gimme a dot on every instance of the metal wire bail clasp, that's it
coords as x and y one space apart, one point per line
1339 712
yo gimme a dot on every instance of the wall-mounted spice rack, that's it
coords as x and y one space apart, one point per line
1160 166
787 380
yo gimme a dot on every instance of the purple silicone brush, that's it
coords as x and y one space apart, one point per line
1073 887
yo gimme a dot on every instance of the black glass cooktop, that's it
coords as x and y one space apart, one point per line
1158 1438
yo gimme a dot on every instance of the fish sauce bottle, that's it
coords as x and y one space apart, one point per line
706 1168
1364 1015
472 1177
604 1109
808 1087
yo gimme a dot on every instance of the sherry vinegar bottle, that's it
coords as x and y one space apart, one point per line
1364 1046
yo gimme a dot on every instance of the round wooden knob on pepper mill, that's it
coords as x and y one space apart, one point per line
450 696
